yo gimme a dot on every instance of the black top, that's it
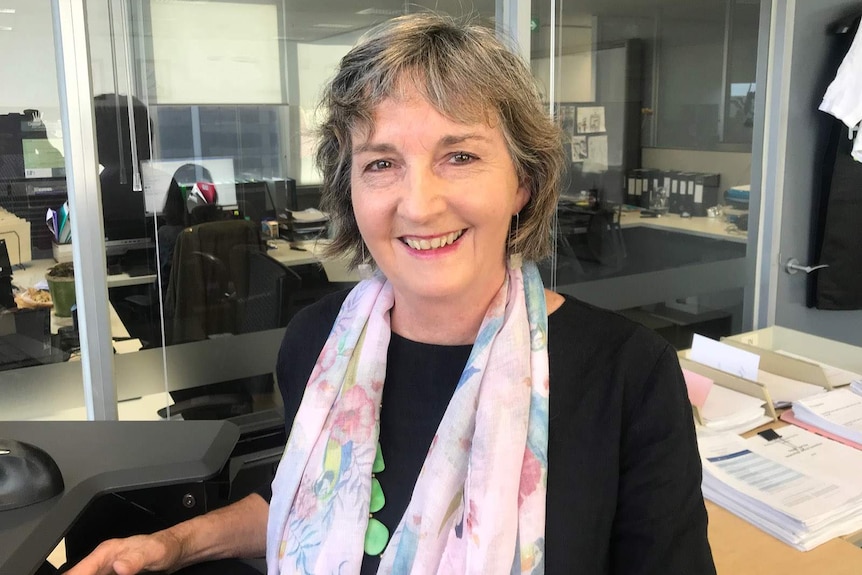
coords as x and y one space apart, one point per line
624 472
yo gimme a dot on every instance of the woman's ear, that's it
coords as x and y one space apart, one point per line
522 196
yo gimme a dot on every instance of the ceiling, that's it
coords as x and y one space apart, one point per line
317 20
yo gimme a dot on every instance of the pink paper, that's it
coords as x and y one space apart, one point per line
789 417
698 387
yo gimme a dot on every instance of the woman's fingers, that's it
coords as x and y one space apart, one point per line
129 556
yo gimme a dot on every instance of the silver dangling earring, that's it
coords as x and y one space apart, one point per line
515 259
364 269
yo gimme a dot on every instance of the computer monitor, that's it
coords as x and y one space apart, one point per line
157 176
255 201
123 212
25 150
283 194
42 159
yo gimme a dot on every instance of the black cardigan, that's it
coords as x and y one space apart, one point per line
624 472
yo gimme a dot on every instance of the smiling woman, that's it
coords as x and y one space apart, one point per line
437 161
433 200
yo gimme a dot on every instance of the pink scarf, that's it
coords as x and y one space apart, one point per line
478 505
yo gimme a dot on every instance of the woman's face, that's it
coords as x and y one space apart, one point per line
433 199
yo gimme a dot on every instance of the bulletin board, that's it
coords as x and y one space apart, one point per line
585 135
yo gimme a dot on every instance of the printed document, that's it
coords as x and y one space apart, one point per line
838 411
797 486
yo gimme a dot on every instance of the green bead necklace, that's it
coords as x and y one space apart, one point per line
376 534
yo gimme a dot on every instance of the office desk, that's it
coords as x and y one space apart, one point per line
740 548
311 252
715 228
34 271
104 457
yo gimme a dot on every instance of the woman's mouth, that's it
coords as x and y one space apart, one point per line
423 244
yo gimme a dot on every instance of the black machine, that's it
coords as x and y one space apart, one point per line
6 298
29 475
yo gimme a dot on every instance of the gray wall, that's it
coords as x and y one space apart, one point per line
810 44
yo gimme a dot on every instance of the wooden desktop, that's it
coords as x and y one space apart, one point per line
740 548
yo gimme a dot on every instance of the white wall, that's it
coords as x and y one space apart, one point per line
29 68
316 64
28 71
229 53
574 77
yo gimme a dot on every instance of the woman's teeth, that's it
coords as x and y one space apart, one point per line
433 243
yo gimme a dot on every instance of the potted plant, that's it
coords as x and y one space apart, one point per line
61 284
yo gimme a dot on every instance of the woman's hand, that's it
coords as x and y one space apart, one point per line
160 551
238 530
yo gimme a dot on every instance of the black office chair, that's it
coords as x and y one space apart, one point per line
235 290
208 275
591 235
268 303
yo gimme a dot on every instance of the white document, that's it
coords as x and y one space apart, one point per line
817 453
787 487
725 357
838 411
729 410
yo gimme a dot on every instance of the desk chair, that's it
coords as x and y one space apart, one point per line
209 273
230 286
271 287
591 235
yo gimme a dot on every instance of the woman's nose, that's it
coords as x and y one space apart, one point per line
423 196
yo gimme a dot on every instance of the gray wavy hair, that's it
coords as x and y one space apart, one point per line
468 75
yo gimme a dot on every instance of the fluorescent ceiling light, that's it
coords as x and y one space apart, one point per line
379 12
7 10
335 26
5 28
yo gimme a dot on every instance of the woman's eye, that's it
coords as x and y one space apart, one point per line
462 157
379 165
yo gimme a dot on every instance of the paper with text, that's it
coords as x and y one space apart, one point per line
725 357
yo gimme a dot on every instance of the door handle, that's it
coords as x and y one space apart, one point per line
792 266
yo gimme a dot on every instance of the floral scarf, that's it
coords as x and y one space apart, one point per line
478 505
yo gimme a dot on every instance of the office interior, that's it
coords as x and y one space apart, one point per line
689 178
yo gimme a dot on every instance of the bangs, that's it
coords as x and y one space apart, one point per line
454 95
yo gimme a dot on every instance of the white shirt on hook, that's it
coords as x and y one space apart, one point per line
843 98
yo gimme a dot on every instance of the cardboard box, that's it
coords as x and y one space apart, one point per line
16 232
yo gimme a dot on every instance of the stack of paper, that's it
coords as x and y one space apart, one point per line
856 386
797 486
729 410
838 412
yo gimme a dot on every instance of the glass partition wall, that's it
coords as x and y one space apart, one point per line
40 360
656 101
202 119
203 115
